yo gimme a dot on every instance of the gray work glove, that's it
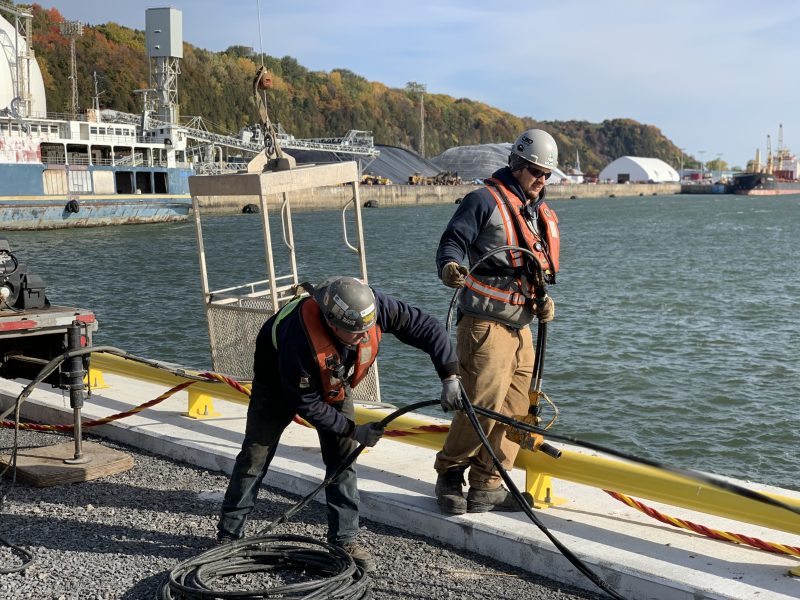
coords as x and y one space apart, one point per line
453 275
367 434
451 394
545 310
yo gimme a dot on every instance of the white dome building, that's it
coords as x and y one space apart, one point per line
8 68
635 169
479 161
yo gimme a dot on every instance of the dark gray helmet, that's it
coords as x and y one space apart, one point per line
346 303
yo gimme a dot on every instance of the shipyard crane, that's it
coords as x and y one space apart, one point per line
769 155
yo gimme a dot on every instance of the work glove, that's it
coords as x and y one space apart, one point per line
545 310
451 394
453 275
367 434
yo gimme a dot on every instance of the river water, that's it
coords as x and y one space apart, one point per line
677 333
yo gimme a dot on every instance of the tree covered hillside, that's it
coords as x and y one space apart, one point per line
217 86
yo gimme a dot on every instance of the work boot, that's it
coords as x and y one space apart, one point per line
360 556
449 492
223 537
499 499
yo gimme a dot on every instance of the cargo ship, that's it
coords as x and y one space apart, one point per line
779 175
79 168
105 167
763 184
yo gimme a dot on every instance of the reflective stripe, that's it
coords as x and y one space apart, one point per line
282 314
508 225
480 287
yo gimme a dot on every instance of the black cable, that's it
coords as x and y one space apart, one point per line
568 554
688 473
46 371
334 573
25 553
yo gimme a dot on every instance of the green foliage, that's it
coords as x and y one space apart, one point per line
218 87
716 165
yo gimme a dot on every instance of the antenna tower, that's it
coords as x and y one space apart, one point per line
769 155
72 30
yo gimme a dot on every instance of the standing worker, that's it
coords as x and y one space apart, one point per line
500 299
308 356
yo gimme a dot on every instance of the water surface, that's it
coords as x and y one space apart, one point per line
676 338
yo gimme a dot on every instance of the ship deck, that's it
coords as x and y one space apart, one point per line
640 558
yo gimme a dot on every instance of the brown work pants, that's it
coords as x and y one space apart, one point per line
496 366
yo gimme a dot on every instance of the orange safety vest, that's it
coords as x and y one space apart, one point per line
545 248
327 356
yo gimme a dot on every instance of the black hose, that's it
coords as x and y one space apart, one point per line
331 570
470 411
27 562
689 473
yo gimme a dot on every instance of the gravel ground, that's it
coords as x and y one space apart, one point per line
116 537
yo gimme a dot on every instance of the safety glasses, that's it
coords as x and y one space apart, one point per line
536 172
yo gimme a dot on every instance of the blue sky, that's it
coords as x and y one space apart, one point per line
715 76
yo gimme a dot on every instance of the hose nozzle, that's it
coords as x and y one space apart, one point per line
528 440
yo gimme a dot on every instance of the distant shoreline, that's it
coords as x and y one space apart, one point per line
410 195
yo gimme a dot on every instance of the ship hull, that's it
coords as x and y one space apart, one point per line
773 192
52 212
27 201
762 184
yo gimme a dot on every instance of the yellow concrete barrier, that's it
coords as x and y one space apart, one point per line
632 479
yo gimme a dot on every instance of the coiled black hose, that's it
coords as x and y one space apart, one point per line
332 572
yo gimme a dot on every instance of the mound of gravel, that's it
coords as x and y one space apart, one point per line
116 537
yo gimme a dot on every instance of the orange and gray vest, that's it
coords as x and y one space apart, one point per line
502 289
332 373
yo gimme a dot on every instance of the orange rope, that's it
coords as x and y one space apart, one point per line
104 420
419 429
716 534
218 377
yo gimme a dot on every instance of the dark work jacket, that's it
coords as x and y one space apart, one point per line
291 375
477 227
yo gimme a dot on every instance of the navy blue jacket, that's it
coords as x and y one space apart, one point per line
291 375
471 217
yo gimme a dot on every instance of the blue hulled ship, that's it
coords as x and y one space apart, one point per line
80 169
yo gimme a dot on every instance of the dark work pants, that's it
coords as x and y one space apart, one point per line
266 419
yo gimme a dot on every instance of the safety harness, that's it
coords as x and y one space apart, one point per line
515 213
332 372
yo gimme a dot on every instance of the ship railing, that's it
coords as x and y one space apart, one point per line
131 160
251 290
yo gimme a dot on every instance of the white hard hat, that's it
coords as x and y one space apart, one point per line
536 146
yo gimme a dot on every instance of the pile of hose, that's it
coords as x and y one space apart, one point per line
327 570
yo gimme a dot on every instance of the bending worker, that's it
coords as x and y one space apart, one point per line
307 358
500 299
